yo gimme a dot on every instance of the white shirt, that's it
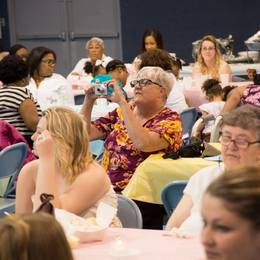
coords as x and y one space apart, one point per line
197 185
176 100
54 90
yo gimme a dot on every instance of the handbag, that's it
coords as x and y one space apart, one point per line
194 148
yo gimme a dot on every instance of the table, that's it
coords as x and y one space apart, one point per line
148 244
238 69
154 173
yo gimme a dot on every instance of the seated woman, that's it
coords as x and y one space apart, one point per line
161 58
47 87
231 215
152 39
241 95
65 168
95 51
209 62
240 145
17 105
19 50
33 236
10 135
133 132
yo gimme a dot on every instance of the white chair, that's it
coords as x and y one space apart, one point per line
129 213
215 133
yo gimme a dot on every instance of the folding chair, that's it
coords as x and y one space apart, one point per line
171 195
188 117
11 162
129 213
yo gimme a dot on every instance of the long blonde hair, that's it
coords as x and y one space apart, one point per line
70 135
203 67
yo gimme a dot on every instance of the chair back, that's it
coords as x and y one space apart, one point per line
129 213
171 195
215 132
96 147
79 99
188 117
11 162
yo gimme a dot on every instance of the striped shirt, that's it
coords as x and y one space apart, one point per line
11 98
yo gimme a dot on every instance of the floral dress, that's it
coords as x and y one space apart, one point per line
120 157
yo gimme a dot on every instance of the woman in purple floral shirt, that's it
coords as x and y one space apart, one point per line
133 132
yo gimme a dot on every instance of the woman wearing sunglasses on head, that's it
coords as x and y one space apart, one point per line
133 132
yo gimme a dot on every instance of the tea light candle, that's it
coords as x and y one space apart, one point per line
119 248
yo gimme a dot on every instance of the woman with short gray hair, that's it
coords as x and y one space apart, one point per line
95 51
134 131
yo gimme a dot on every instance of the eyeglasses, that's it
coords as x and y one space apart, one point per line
143 83
208 49
49 62
240 143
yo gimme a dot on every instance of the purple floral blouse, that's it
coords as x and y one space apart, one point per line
120 157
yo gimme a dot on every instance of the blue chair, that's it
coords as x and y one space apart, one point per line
188 117
11 162
96 147
129 213
79 99
171 195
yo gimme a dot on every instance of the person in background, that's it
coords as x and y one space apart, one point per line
65 168
231 215
209 62
19 50
35 236
241 95
117 70
240 145
161 58
10 135
214 94
47 87
152 39
133 132
227 90
95 51
17 105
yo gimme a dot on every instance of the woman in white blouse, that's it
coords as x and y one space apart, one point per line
47 87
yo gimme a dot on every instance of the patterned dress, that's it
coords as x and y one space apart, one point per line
120 157
251 95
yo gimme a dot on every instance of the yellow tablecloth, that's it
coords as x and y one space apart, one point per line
155 172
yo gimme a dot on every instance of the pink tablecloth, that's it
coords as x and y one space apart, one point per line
147 244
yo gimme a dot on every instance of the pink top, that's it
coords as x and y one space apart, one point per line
10 135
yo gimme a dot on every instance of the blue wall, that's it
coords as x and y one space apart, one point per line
182 22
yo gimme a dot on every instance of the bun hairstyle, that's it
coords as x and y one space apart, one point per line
211 88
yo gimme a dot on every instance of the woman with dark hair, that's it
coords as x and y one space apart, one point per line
19 50
17 105
152 39
47 87
241 95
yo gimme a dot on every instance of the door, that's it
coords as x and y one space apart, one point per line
4 33
65 26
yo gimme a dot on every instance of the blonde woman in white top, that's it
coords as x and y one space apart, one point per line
210 62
